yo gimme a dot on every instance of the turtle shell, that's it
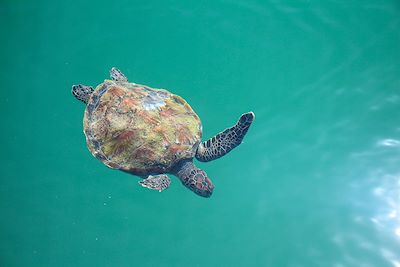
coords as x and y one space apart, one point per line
138 129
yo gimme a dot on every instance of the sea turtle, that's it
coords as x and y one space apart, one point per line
151 132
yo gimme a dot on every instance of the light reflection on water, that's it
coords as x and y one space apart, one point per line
387 193
376 198
389 142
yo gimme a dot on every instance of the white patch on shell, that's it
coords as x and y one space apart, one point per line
154 100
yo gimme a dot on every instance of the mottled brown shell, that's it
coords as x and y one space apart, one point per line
138 129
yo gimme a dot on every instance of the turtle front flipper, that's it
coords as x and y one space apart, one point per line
117 75
82 92
194 178
225 141
157 182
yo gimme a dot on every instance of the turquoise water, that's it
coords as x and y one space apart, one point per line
315 183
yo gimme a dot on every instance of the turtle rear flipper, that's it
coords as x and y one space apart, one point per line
82 92
226 140
117 75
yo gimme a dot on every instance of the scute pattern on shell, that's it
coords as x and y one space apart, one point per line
138 129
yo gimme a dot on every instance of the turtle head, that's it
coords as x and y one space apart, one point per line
194 178
82 92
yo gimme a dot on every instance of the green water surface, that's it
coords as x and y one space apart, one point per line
315 183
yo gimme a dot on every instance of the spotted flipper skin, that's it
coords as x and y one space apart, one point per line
226 140
82 92
117 75
194 178
157 182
